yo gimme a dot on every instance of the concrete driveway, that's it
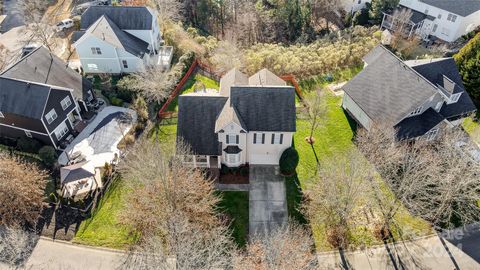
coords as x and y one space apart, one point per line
267 199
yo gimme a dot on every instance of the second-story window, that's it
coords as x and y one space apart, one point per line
277 138
96 50
124 63
232 139
451 17
66 102
51 116
258 138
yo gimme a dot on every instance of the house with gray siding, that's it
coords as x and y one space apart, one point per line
418 98
43 99
251 120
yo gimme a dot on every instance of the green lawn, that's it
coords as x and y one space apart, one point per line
472 127
235 205
189 87
332 138
103 228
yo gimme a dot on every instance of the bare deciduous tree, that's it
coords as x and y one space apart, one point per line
22 188
435 180
335 195
226 56
154 83
168 10
38 30
172 208
316 110
16 245
290 247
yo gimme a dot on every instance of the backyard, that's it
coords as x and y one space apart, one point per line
189 87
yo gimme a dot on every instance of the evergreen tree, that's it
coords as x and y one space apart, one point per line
380 6
468 62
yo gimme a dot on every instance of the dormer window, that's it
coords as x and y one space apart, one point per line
66 102
417 111
232 139
454 98
1 115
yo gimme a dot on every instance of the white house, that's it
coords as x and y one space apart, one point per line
418 98
250 120
444 19
354 5
117 39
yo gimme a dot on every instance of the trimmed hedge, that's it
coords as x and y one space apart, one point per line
289 161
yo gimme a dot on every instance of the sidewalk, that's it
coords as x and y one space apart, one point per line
427 253
50 255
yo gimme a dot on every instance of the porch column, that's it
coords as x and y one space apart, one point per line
208 161
383 20
219 160
194 161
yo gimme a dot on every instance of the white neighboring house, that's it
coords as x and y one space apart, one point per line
249 121
116 39
354 5
417 98
444 19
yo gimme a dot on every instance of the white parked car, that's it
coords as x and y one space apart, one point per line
64 24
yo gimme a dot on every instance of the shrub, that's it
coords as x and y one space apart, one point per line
116 101
129 139
289 160
48 155
30 145
337 236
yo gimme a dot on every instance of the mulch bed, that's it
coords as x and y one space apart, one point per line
233 179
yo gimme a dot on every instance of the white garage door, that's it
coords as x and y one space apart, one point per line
263 159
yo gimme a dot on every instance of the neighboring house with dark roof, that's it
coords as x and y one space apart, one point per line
42 66
418 98
443 19
42 98
250 120
117 39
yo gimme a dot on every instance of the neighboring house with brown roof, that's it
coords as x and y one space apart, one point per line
118 39
417 98
250 120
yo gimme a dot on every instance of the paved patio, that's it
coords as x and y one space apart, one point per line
98 141
267 199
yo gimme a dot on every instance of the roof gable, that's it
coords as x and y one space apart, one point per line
127 18
231 78
106 30
42 66
265 77
228 115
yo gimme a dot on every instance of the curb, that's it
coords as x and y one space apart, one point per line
334 252
68 243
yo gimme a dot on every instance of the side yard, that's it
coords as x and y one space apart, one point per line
334 137
472 127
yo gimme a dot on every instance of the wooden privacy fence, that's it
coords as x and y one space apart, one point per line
210 72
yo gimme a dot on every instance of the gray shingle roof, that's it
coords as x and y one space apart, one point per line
127 18
417 16
196 123
77 35
23 98
44 67
415 126
233 77
435 70
266 78
105 29
265 108
459 7
75 172
387 89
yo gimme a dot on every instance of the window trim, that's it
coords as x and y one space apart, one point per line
28 134
230 136
255 139
432 134
1 115
67 103
63 132
53 118
417 111
454 98
96 50
235 156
